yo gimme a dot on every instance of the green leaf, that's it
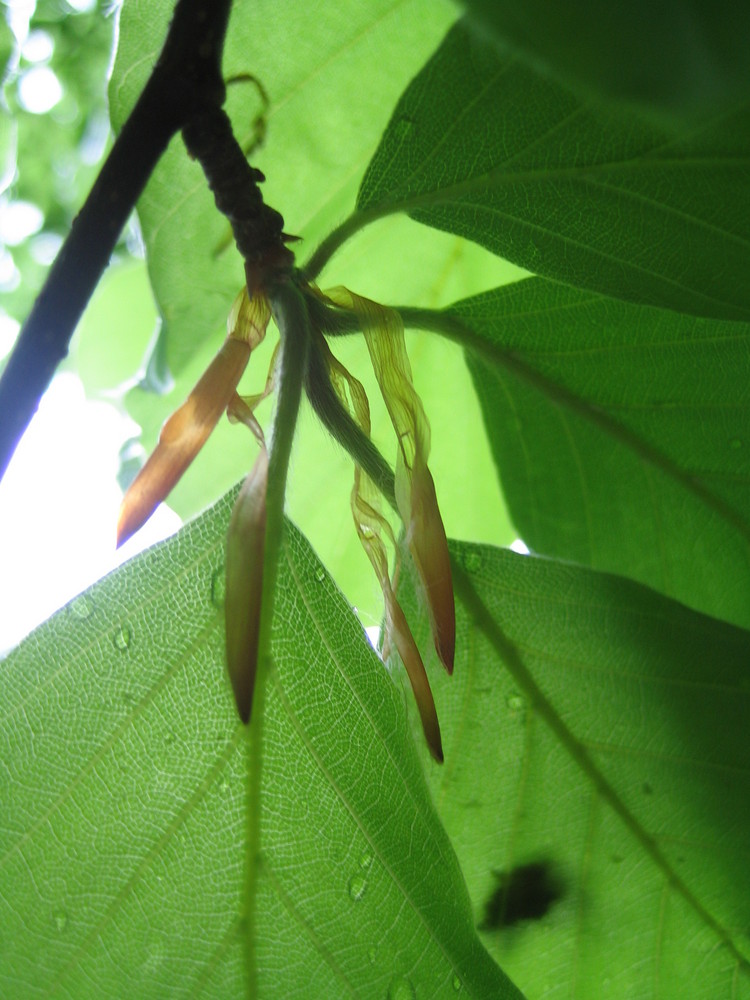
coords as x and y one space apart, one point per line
122 846
677 59
481 146
113 335
599 731
620 435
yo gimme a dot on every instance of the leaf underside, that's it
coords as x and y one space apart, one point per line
482 146
560 374
122 841
622 771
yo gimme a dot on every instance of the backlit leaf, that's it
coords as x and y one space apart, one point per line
620 435
122 837
482 146
596 745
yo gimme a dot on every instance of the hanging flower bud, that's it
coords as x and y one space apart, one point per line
186 431
182 437
369 524
244 584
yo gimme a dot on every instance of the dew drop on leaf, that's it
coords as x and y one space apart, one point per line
61 920
365 860
371 954
122 638
320 574
224 788
456 984
82 607
218 587
357 887
401 989
515 702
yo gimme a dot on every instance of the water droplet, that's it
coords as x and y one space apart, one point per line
320 574
457 984
735 443
357 887
401 989
61 920
224 788
372 954
473 560
515 702
122 638
82 606
218 587
365 860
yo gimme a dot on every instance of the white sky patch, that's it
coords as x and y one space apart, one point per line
38 46
520 547
18 221
59 503
39 90
373 634
9 328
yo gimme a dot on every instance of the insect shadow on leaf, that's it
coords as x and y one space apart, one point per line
526 892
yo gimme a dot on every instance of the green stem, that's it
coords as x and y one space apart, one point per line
290 313
452 327
336 239
340 426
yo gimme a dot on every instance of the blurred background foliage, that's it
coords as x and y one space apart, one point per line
56 131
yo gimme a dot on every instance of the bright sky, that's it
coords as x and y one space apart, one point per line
59 501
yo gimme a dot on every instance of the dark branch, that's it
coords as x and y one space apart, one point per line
185 82
258 228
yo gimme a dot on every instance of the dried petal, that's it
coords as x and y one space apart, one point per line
244 578
182 437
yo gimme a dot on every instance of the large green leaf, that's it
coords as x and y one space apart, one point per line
620 435
598 732
122 842
482 146
676 59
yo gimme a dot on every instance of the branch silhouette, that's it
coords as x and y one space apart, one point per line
185 86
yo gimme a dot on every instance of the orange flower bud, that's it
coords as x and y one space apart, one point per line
182 437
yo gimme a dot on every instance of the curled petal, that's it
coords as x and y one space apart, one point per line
415 489
239 411
182 437
244 584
